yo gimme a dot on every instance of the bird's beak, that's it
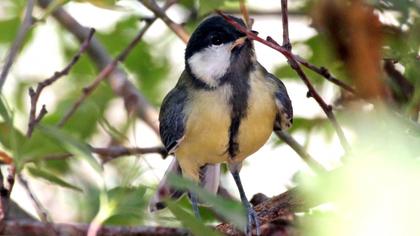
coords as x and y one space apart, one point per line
238 43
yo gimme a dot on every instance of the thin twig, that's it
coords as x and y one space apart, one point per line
285 21
17 44
325 73
117 151
300 150
160 13
34 95
41 211
245 14
109 153
295 65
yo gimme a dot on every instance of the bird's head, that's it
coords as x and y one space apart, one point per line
216 48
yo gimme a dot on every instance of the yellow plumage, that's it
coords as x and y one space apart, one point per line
207 128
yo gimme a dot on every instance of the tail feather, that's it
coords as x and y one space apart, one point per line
209 180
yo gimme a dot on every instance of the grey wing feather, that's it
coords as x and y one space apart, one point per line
172 117
284 118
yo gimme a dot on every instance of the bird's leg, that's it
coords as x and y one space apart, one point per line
194 203
252 217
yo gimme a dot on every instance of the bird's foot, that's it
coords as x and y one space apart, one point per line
252 220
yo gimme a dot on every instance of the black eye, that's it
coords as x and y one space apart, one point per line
216 40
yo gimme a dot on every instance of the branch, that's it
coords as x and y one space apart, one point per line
109 153
324 72
33 119
276 208
160 13
41 211
34 228
295 65
285 21
300 150
17 44
134 101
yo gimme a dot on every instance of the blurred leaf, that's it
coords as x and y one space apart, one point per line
83 122
10 26
232 211
71 144
190 221
149 69
127 204
307 124
209 6
53 178
187 3
107 4
4 113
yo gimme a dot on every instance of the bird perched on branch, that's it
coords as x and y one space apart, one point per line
223 109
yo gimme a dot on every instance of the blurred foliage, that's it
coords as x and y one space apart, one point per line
373 193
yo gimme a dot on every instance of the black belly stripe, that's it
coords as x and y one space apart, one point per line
239 105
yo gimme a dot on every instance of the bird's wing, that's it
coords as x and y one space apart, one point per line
172 117
284 118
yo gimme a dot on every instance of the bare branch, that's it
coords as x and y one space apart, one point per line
281 206
160 13
324 72
285 21
295 65
300 150
114 152
34 95
17 44
42 212
34 228
109 153
245 14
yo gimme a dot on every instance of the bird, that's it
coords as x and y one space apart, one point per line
223 108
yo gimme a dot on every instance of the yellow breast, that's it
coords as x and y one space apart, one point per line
207 129
257 126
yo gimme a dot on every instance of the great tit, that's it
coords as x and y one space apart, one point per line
223 109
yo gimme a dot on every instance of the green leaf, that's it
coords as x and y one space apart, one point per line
71 144
189 221
232 211
127 205
4 112
208 6
37 172
10 26
107 4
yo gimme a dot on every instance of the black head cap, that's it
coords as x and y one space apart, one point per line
213 30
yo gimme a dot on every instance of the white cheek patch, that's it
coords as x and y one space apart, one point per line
211 63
